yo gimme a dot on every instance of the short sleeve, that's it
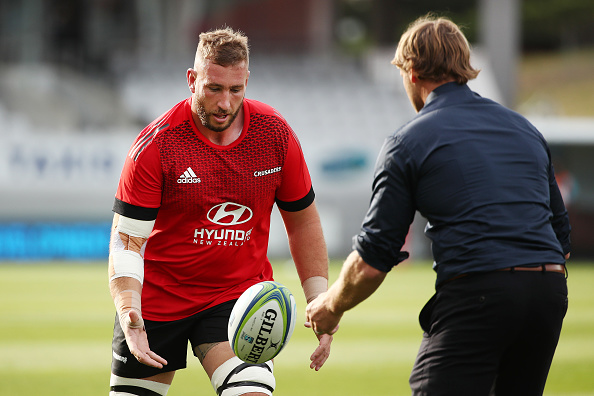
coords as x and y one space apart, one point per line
295 192
141 180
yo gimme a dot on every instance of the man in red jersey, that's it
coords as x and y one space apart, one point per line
191 224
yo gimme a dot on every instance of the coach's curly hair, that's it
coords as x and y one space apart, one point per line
436 49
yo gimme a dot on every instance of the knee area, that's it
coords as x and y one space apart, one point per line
235 377
120 386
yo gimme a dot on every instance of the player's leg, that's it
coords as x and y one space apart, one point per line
229 375
157 385
129 377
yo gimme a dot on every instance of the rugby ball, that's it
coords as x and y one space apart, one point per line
262 322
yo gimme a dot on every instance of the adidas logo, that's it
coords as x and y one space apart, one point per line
188 177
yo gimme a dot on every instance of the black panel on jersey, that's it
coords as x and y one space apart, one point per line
298 205
133 211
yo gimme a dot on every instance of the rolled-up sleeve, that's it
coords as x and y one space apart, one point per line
391 210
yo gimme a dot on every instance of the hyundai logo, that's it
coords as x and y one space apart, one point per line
229 214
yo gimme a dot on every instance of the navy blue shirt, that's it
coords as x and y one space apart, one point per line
481 175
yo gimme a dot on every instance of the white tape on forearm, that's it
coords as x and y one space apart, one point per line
314 286
135 228
127 263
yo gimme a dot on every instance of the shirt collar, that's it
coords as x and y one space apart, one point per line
437 96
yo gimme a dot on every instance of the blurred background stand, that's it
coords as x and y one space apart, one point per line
80 78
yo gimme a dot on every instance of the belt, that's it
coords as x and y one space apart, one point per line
560 268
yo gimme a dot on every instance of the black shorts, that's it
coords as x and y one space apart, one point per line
170 340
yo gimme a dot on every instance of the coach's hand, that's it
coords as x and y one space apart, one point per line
320 317
324 323
137 340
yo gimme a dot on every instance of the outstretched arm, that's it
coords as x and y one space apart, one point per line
126 272
357 281
308 249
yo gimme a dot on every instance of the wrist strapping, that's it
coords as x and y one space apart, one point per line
314 286
126 301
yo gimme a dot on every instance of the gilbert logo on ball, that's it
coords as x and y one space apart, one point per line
262 322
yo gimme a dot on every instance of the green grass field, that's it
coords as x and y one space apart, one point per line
56 322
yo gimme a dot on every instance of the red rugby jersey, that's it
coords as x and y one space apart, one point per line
212 206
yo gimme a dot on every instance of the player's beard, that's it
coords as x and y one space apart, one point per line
205 117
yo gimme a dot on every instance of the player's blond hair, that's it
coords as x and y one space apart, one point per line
224 47
436 49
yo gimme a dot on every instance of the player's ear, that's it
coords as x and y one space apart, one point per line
191 79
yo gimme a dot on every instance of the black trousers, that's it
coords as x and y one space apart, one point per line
490 334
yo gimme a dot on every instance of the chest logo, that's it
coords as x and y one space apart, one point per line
188 177
229 213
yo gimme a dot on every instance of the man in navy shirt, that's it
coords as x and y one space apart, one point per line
482 176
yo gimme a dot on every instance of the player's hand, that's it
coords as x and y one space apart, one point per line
322 352
137 340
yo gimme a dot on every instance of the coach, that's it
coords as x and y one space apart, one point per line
482 176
